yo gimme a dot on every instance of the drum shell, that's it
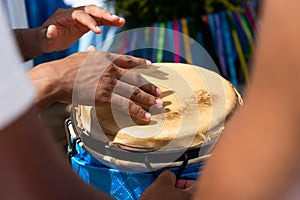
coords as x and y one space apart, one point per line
139 166
119 184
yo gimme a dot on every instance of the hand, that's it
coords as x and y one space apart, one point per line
66 26
165 188
100 78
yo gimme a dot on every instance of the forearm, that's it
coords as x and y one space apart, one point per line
257 156
29 42
46 83
33 167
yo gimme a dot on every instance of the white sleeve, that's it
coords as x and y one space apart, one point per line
16 91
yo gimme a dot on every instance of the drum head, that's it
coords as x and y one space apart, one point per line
196 103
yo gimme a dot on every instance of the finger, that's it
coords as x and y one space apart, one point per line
132 78
86 20
166 178
130 107
129 77
91 48
106 18
185 184
136 79
128 62
137 95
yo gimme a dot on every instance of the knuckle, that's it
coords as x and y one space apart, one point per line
89 8
129 59
135 109
124 105
109 69
76 13
92 6
150 100
104 98
114 71
135 91
109 81
166 177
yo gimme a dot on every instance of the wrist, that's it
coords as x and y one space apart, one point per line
24 37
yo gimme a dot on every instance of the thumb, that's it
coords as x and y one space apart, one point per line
52 32
166 178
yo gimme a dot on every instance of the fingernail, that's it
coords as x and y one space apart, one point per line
148 116
97 28
158 103
48 35
148 62
121 20
158 91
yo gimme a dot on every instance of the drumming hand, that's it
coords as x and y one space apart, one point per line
99 78
165 188
66 26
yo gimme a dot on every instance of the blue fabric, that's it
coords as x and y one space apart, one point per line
121 185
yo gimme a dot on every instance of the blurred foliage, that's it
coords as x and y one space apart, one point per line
145 12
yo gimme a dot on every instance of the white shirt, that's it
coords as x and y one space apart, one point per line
16 91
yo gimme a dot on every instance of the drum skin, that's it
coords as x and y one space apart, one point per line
196 104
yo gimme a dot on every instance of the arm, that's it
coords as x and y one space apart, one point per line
258 155
33 168
62 29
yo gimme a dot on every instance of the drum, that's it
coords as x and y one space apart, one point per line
122 155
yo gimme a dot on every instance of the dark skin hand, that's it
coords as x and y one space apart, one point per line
64 28
95 75
106 80
165 187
